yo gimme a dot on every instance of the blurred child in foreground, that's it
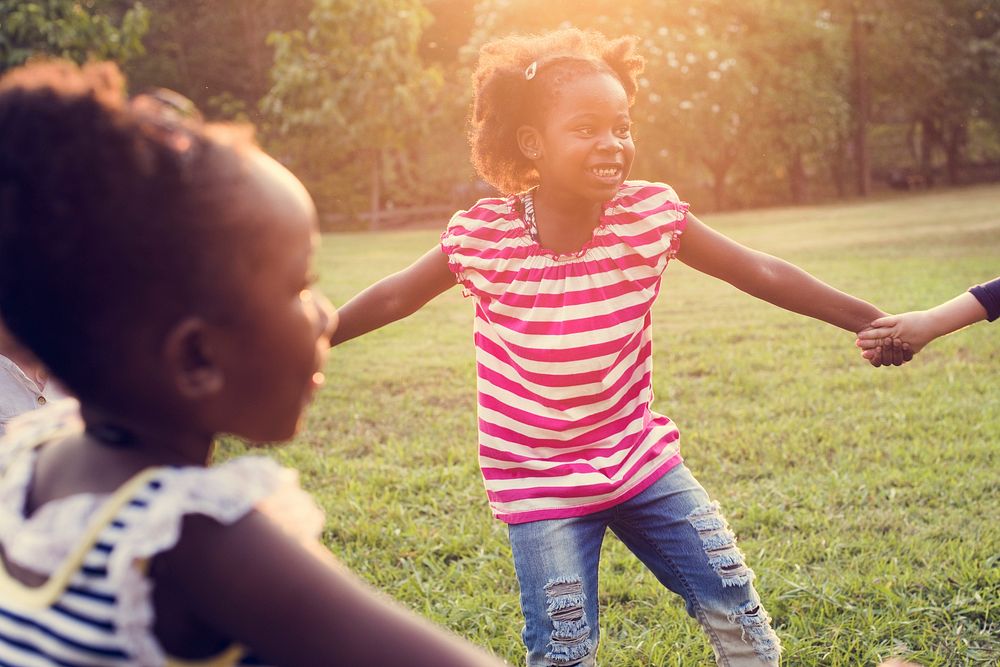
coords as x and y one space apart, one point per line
173 259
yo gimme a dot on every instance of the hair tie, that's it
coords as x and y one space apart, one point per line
531 70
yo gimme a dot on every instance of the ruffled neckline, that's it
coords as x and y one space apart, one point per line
522 209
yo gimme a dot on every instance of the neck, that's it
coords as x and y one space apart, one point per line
562 210
161 444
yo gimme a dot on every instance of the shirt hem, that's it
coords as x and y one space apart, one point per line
547 513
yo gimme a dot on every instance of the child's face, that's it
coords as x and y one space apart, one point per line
586 147
280 343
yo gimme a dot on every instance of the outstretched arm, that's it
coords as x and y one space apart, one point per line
772 279
394 297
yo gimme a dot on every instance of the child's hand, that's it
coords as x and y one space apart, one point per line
885 351
912 330
894 336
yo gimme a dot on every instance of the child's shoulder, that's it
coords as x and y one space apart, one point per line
486 211
635 193
489 221
224 493
26 431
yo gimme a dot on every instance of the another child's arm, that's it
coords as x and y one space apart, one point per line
918 328
291 604
395 296
774 280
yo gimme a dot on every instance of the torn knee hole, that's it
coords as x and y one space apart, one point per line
755 624
570 640
719 543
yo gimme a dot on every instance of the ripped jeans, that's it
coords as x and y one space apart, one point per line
680 535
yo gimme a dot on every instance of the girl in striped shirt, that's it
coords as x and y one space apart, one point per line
170 290
563 269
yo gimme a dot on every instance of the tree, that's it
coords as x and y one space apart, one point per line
350 93
742 95
98 29
951 73
215 51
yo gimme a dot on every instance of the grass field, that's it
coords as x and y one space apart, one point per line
865 499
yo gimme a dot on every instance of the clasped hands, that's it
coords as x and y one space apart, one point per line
894 339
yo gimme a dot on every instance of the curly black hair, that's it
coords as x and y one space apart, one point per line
504 98
112 218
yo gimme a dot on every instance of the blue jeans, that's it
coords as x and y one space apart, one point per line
680 535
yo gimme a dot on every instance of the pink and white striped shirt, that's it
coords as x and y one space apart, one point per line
564 353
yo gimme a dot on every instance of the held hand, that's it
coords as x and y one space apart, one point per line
884 351
908 331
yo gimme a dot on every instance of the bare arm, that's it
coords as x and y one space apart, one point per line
920 327
394 297
293 605
772 279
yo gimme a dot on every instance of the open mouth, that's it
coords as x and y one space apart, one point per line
606 172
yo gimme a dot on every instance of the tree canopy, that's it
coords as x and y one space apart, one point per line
742 103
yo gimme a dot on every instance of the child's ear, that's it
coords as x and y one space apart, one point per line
529 141
191 360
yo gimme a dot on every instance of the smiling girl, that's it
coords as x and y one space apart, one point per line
563 270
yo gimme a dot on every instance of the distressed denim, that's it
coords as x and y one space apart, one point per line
680 535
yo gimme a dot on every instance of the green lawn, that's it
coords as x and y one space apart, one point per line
865 499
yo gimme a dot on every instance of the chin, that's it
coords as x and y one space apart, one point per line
274 434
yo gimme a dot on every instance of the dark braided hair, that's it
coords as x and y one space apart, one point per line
504 98
112 218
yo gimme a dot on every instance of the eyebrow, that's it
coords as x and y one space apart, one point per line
591 116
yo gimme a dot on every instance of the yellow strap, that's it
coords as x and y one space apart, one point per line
44 595
227 658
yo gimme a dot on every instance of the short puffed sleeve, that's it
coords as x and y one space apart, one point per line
225 493
650 218
484 245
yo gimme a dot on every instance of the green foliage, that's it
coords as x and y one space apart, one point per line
743 104
350 90
738 99
864 498
80 31
215 51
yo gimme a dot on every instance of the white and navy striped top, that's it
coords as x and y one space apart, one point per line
564 352
95 608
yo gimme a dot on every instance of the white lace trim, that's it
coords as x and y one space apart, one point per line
226 493
42 542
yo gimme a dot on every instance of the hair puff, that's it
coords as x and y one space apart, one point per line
111 217
504 98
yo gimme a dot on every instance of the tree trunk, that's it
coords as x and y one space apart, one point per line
837 167
957 136
862 103
929 136
797 178
719 165
376 189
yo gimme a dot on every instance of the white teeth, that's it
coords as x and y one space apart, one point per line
605 172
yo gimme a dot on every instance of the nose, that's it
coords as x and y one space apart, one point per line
610 143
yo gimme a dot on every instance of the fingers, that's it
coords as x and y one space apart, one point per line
897 352
876 332
887 321
907 354
876 356
885 351
868 343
